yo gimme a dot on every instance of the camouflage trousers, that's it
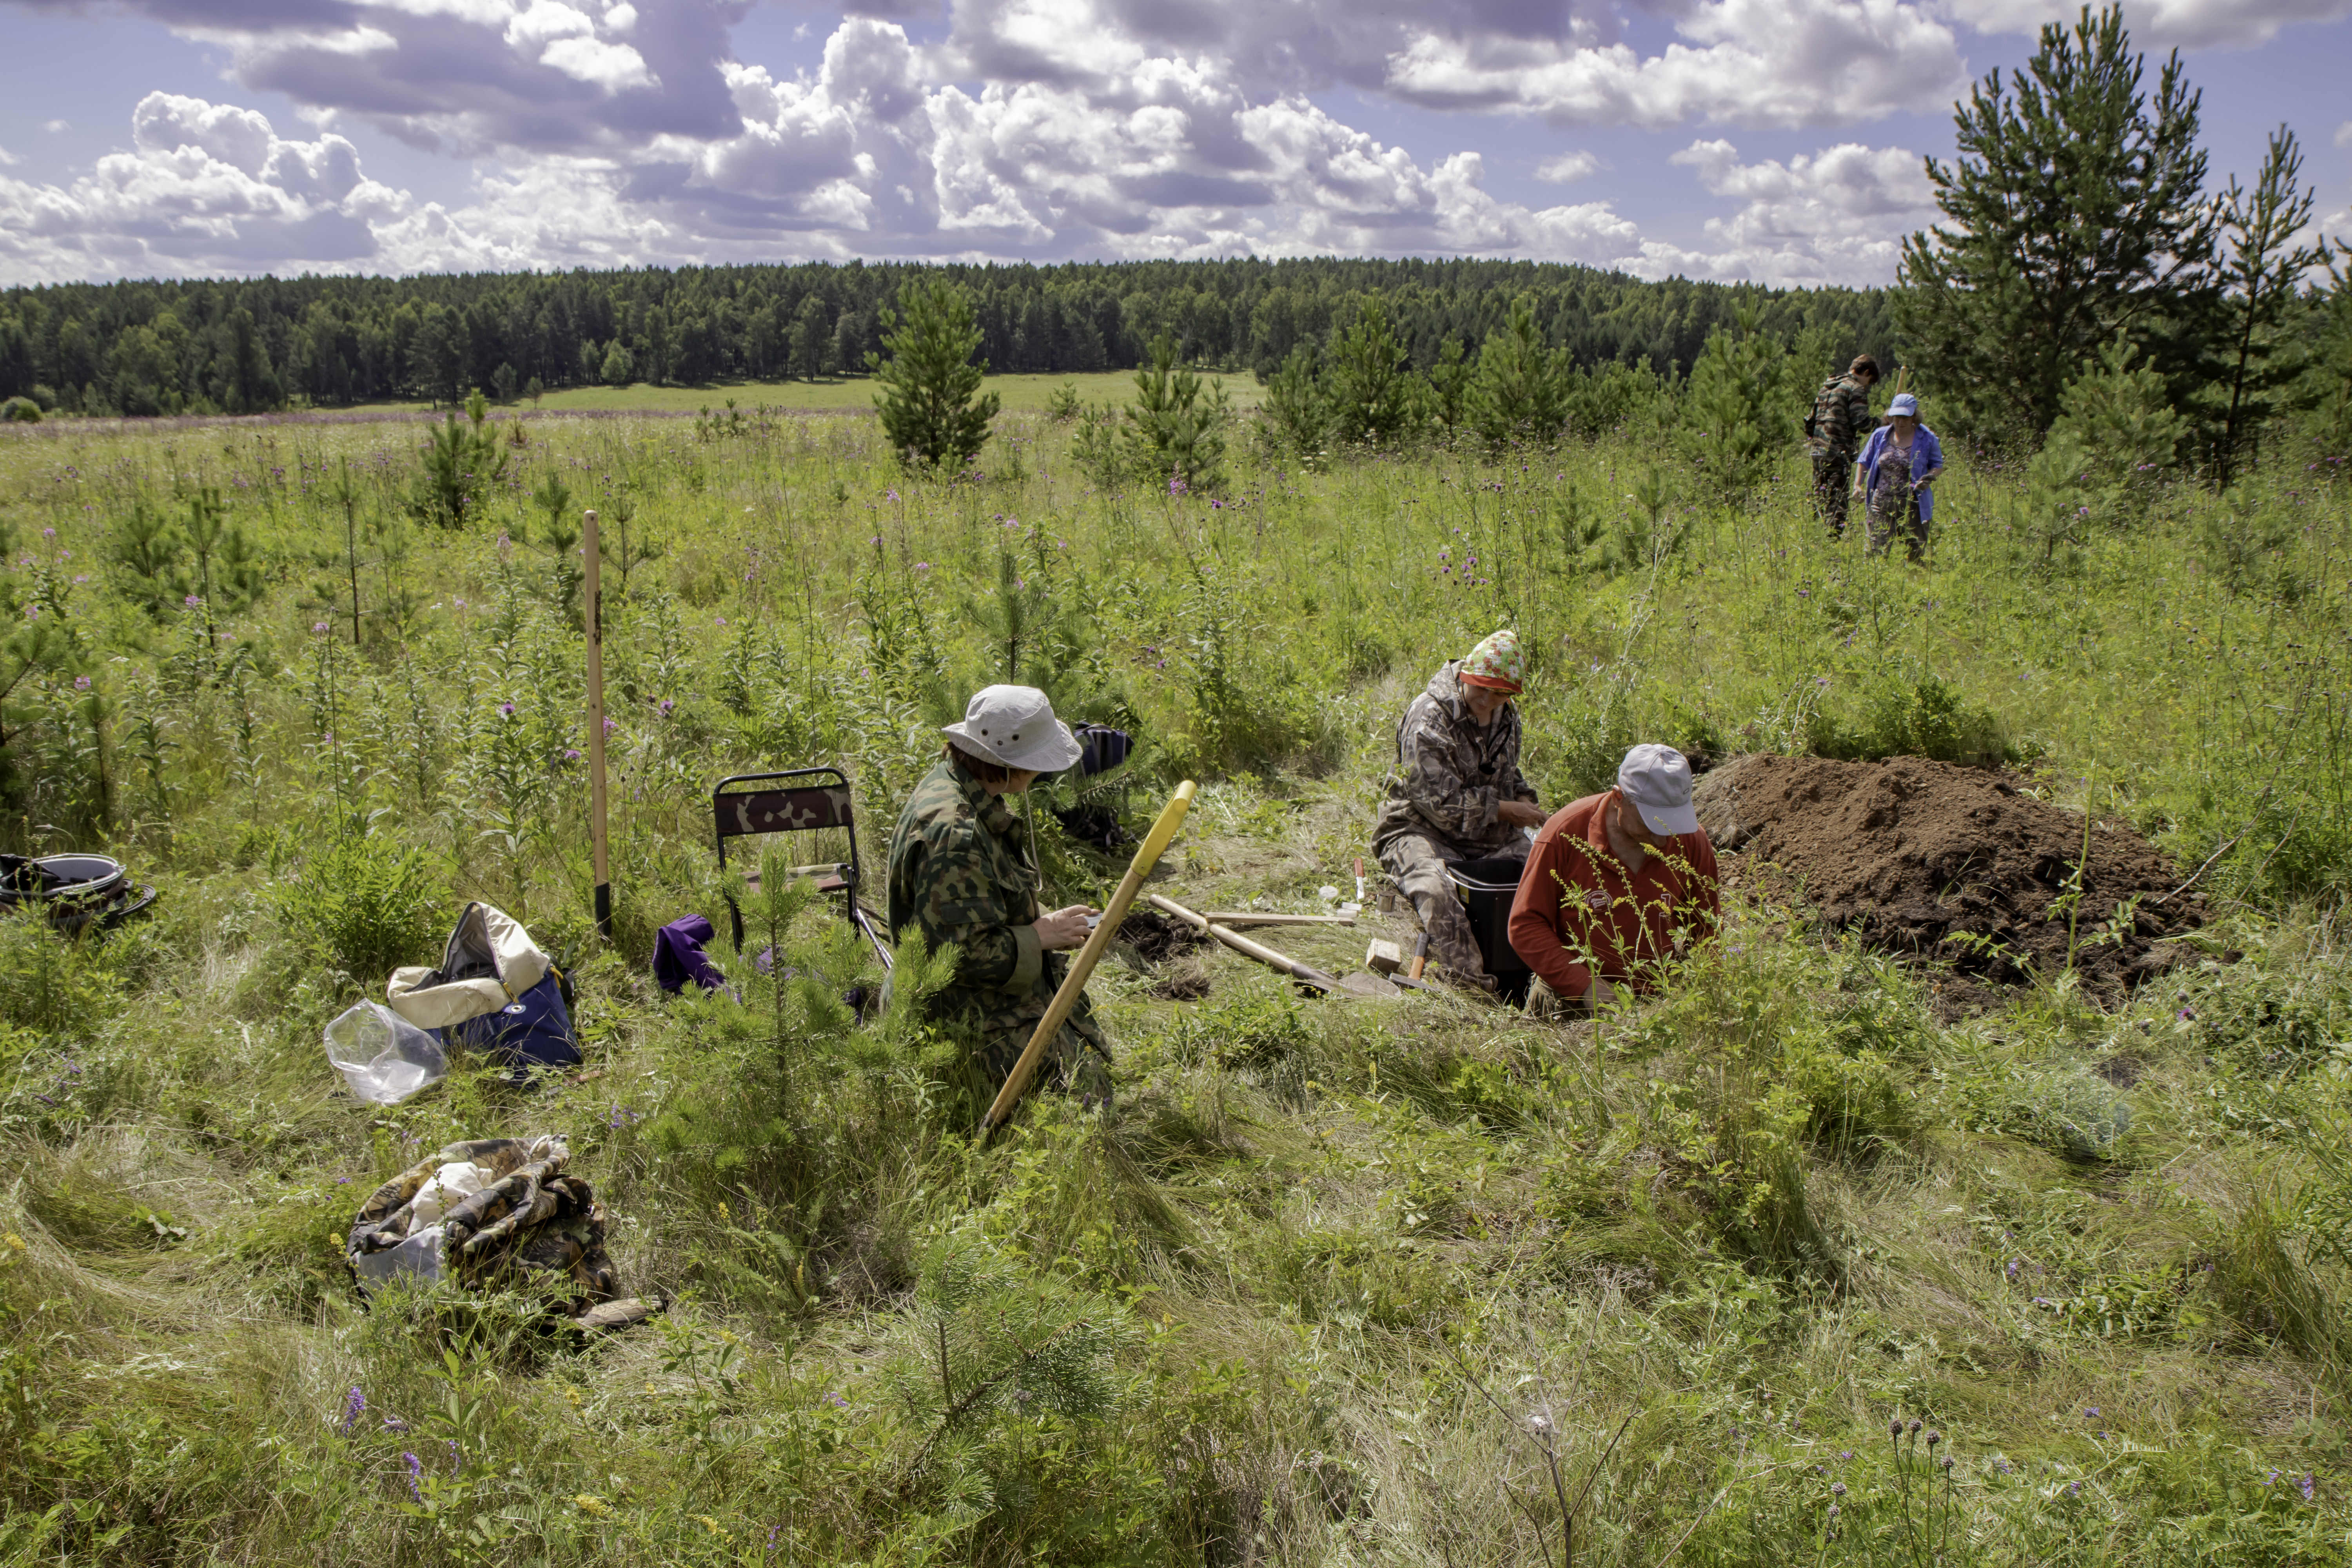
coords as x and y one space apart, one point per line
1894 514
1417 864
1072 1064
1833 481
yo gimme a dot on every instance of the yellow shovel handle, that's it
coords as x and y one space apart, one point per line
1073 983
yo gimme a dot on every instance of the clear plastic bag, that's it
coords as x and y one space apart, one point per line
384 1056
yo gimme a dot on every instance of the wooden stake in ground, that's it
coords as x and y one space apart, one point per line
1073 983
1305 973
1239 918
594 616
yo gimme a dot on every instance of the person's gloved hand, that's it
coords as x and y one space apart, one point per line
1599 993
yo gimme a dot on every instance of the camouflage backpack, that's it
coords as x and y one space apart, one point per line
1824 408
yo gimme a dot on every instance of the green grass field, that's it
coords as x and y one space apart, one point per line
1019 394
1339 1281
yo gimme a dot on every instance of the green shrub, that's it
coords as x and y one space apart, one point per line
366 905
2060 1105
52 984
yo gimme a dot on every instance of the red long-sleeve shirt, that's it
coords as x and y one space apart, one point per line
1577 910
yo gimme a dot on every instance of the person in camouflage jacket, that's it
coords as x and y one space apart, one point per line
1457 794
1841 421
959 874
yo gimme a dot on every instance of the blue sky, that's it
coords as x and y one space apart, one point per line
1776 139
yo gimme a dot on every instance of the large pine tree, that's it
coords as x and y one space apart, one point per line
2076 211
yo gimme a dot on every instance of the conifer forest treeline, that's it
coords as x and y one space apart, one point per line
205 346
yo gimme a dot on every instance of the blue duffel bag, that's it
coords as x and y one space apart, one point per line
495 991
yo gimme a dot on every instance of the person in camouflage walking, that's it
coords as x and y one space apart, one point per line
1457 794
958 873
1839 421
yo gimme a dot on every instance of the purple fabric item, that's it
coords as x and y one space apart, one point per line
679 956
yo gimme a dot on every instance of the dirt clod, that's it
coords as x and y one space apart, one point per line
1157 938
1951 863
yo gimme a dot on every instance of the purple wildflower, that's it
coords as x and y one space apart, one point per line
354 1406
506 709
81 683
49 534
570 756
611 725
415 1470
319 627
2310 1485
191 601
669 705
2074 1488
721 620
890 494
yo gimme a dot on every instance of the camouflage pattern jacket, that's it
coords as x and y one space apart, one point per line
1452 773
1840 417
959 874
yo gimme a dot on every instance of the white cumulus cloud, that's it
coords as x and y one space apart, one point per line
1754 62
2162 23
207 187
1567 168
1838 216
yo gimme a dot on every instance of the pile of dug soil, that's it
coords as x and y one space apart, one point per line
1929 859
1157 938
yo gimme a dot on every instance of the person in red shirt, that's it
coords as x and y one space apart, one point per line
1614 883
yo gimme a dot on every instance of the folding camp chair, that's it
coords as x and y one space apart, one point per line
819 804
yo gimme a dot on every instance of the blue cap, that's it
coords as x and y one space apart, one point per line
1904 405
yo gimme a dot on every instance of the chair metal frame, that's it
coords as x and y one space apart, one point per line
756 808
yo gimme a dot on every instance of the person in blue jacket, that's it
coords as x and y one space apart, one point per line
1901 460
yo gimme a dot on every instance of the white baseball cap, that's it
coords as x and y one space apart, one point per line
1016 725
1657 780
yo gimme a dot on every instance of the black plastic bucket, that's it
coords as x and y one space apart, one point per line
73 890
1486 888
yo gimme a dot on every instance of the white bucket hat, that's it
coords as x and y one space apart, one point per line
1016 725
1657 780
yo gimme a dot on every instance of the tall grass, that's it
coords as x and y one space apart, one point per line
1751 1223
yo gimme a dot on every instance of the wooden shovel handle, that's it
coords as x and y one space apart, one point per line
1073 983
